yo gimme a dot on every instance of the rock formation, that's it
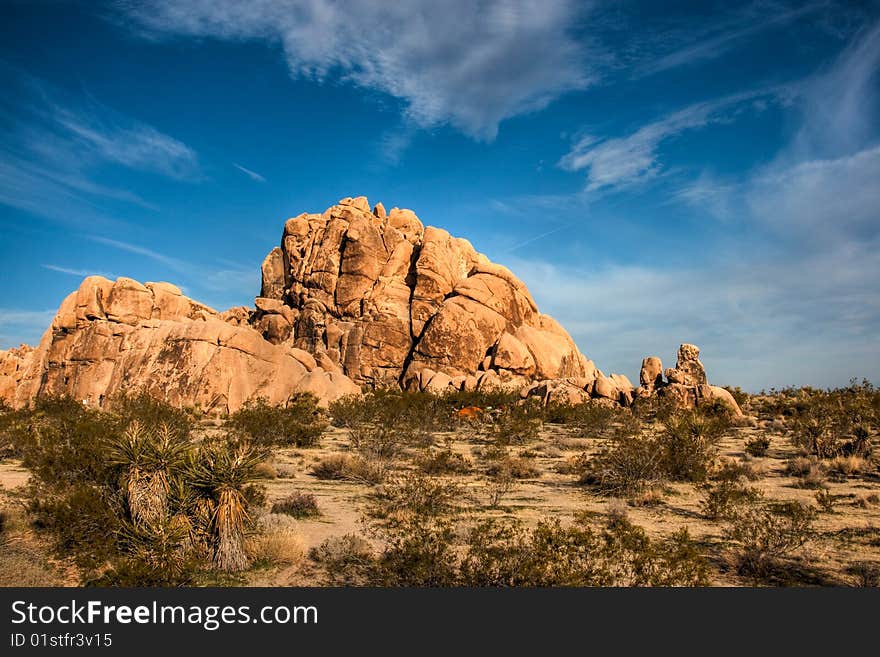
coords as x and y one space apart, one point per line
353 296
686 384
390 301
111 337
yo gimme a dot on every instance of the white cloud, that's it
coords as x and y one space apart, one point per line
818 200
52 145
168 261
79 273
761 323
465 63
623 161
128 142
253 175
752 20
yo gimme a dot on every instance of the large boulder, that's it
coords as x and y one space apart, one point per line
688 371
651 374
382 297
111 337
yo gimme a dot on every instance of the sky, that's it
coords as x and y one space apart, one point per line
656 172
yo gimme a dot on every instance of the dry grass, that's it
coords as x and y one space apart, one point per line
277 542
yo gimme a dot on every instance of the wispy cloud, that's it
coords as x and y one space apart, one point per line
469 64
125 141
623 161
80 273
751 20
54 145
253 175
760 323
789 298
168 261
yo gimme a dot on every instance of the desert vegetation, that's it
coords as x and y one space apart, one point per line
416 489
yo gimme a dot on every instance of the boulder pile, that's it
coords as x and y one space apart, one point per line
354 296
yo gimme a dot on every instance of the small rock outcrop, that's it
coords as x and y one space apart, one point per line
110 337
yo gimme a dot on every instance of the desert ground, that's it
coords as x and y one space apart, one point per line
541 478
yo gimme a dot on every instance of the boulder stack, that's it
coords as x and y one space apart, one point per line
387 301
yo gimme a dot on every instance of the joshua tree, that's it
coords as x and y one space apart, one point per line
221 471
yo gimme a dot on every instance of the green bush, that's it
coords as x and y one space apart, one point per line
299 423
515 424
626 465
688 444
621 554
138 504
724 498
769 532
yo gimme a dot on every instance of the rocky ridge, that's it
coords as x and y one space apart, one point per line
354 296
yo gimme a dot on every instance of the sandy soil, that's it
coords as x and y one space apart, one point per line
850 534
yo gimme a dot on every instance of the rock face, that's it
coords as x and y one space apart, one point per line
109 337
387 300
13 363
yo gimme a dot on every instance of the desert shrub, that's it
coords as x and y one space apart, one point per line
442 462
809 471
848 466
586 419
768 532
420 552
379 441
757 446
741 397
298 423
733 469
499 487
266 470
800 466
221 472
688 444
515 467
414 417
346 560
354 468
832 422
151 413
632 461
414 495
331 467
626 465
621 554
865 573
515 424
133 494
276 541
366 471
297 505
826 500
723 499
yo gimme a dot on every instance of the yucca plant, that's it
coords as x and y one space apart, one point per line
221 471
150 458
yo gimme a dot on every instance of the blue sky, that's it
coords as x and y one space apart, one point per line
656 172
